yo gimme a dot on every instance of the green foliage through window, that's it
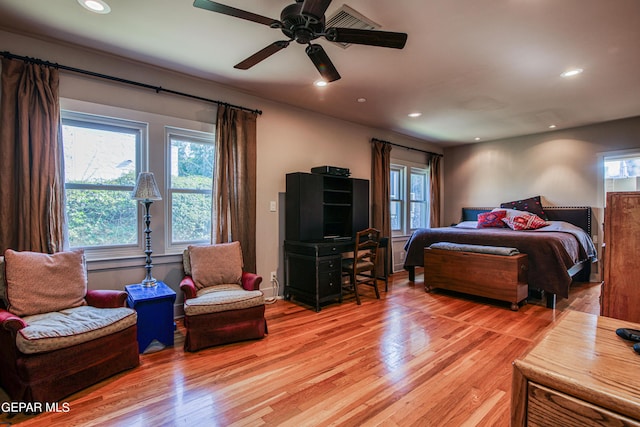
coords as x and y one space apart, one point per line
101 218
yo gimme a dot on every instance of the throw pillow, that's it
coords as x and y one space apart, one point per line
532 205
42 283
491 219
511 212
219 264
525 222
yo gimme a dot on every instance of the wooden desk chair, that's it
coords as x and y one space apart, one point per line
361 268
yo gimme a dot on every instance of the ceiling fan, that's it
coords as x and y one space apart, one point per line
304 22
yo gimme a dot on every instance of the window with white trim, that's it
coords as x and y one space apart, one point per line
190 180
409 209
102 158
397 198
621 172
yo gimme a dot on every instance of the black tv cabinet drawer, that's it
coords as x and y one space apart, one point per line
313 271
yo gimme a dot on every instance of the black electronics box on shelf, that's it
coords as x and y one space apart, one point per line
331 170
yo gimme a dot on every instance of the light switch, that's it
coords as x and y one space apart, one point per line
272 206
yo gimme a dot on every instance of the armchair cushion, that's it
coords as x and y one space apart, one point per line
65 328
226 270
222 298
41 283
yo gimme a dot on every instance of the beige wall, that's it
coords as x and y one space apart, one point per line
561 166
289 140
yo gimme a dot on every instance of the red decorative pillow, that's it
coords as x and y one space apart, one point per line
491 219
532 205
525 222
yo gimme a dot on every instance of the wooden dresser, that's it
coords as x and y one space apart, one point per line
620 296
580 374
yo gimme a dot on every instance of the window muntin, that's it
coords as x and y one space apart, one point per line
102 158
191 165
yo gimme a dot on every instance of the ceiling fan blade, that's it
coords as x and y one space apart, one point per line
368 37
315 9
262 55
322 62
238 13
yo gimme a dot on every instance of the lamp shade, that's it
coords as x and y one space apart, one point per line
146 187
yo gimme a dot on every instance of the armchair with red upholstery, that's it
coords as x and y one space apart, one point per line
57 337
222 303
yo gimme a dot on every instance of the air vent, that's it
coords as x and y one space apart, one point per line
346 17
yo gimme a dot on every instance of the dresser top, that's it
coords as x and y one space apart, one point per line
582 355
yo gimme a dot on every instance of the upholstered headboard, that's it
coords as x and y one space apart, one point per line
579 216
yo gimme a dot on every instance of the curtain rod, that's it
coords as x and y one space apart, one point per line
408 148
157 89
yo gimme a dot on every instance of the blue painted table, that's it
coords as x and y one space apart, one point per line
154 306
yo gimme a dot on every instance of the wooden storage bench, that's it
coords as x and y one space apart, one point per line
499 277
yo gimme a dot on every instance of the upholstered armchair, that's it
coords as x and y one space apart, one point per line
222 303
57 337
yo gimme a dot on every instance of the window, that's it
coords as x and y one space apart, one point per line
622 173
102 158
191 158
418 198
397 192
409 208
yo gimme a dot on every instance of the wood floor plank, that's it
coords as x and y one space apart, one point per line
410 358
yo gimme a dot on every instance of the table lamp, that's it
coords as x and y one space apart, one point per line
146 190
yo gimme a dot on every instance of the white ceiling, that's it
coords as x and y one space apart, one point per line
474 68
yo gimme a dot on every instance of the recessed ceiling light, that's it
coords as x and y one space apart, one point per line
572 72
552 126
361 100
95 6
477 138
321 83
414 115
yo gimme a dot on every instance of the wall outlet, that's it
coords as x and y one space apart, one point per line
274 276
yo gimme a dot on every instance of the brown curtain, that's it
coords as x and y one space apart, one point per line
433 162
380 194
234 186
31 173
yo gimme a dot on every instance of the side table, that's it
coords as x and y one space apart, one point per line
154 306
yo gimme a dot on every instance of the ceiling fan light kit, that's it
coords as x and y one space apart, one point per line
303 22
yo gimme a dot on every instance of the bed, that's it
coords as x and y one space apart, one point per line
557 253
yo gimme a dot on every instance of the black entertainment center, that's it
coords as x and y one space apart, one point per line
323 213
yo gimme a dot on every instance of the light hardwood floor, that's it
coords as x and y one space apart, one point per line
410 359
